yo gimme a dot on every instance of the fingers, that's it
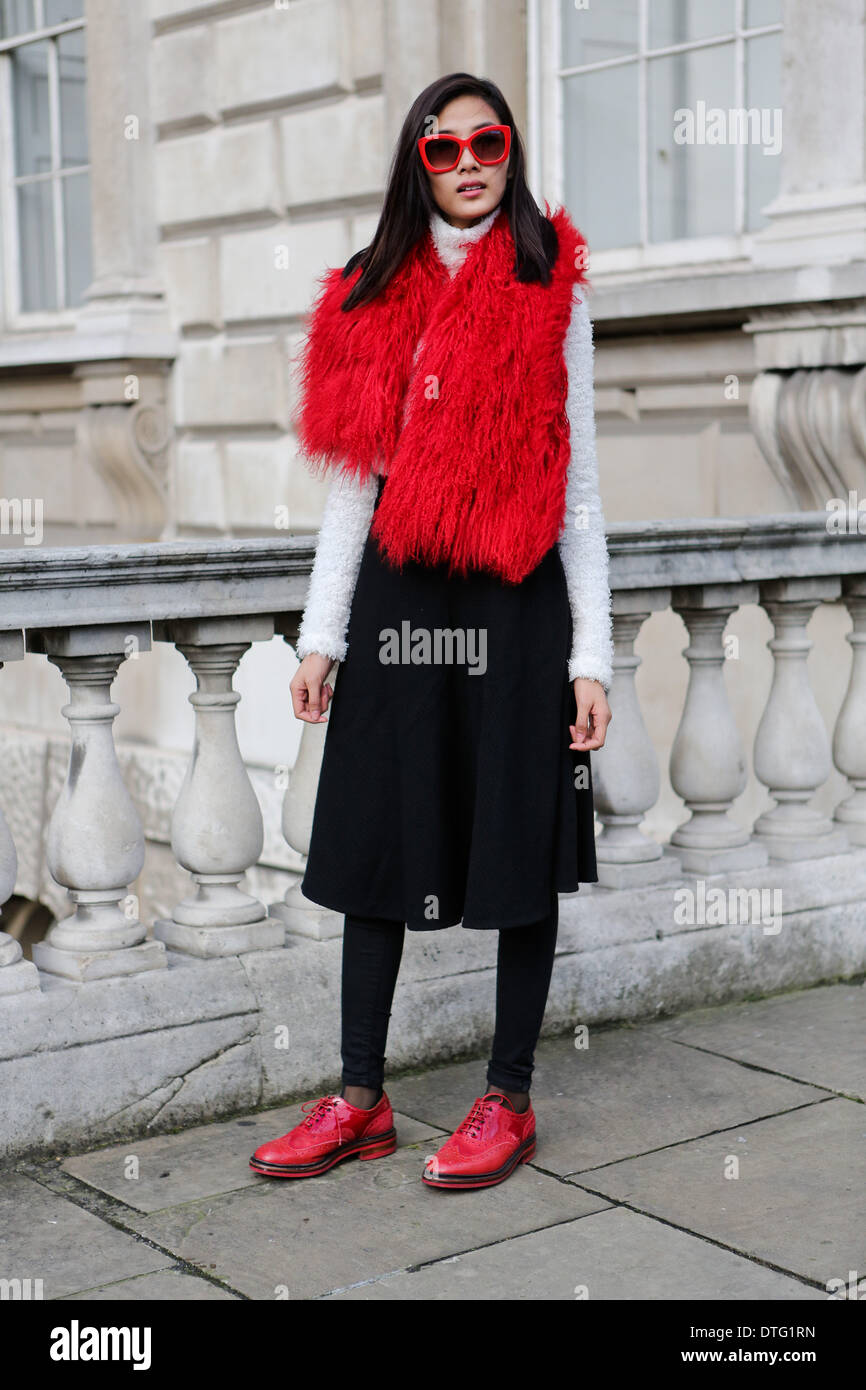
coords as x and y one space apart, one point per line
310 698
590 729
314 700
298 692
581 730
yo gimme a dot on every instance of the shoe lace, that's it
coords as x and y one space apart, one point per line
321 1109
477 1115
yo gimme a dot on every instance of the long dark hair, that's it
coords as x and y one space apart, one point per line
409 202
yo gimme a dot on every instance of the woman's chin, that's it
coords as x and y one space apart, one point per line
469 209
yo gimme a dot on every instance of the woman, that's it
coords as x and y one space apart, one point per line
461 580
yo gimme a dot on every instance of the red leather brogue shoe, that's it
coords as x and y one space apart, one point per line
333 1130
486 1148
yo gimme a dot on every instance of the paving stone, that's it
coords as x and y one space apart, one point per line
169 1285
647 1115
359 1220
631 1090
43 1236
816 1035
613 1254
799 1201
200 1162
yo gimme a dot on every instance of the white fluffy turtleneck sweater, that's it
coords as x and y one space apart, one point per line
582 546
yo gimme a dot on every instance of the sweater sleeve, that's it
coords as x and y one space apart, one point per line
345 525
582 542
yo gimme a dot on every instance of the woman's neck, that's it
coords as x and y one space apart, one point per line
453 242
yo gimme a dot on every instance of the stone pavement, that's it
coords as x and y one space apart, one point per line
627 1197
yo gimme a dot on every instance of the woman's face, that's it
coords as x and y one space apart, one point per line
484 184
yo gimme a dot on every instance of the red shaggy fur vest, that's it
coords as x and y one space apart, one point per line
469 419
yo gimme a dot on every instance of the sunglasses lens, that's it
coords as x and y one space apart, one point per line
442 152
489 146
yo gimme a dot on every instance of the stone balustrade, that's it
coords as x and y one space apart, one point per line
705 571
122 1026
87 610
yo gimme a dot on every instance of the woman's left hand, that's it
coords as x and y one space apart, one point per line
593 715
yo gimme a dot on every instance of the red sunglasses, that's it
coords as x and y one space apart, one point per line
490 145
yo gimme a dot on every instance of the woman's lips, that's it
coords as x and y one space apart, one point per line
472 192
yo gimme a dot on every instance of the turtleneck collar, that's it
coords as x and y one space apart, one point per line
452 242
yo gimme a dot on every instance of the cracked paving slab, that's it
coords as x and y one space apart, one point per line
613 1254
167 1285
814 1035
645 1116
356 1221
204 1161
628 1092
44 1236
798 1202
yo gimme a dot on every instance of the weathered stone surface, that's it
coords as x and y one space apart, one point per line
234 384
271 272
798 1201
45 1237
613 1254
355 1222
169 1285
50 1100
279 52
816 1035
443 1009
224 172
621 1095
203 1161
662 1224
174 99
68 1015
353 132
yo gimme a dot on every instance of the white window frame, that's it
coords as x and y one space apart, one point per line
545 153
12 316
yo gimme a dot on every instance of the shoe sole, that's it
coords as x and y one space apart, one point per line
460 1180
378 1146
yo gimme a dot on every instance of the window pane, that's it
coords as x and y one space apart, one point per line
601 156
691 186
679 21
76 231
30 106
36 241
16 17
764 92
57 11
763 12
603 31
73 93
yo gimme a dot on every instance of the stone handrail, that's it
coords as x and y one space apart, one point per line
87 608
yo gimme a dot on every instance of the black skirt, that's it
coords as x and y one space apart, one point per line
448 792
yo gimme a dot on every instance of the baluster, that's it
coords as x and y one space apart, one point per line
792 749
17 975
299 914
625 772
217 831
95 842
707 760
849 736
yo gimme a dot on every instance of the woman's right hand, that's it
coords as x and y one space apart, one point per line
310 694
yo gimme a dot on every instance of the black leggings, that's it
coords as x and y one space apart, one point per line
372 951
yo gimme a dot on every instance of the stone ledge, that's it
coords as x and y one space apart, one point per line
90 1064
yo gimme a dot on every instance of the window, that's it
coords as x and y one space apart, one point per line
45 188
663 111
